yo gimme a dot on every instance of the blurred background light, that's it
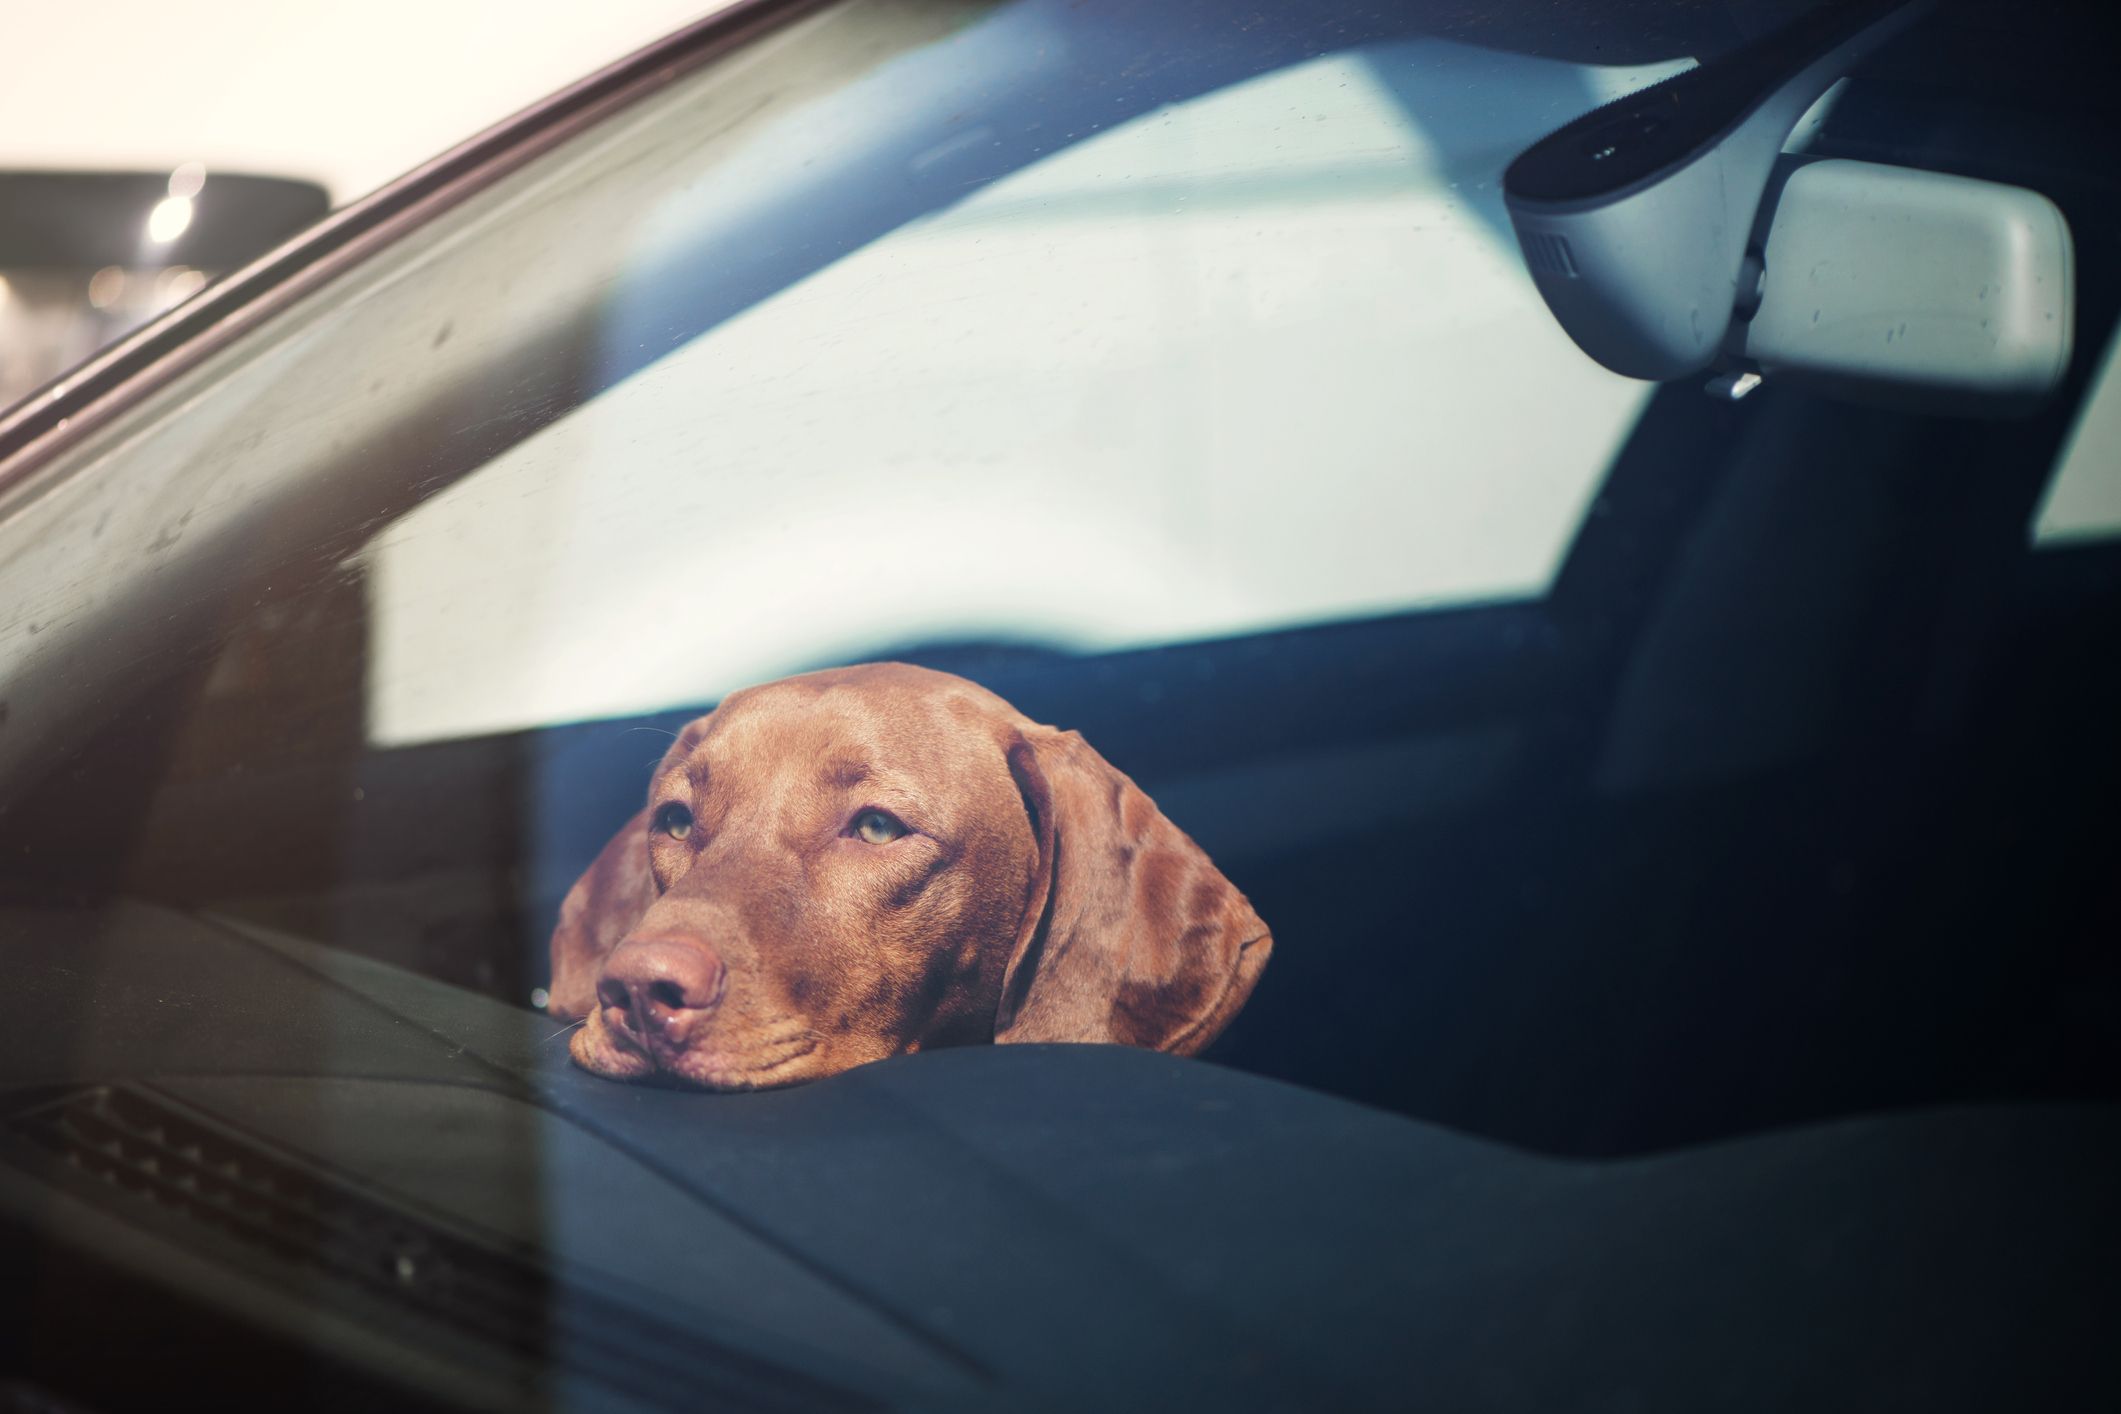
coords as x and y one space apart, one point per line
346 96
106 286
169 219
107 216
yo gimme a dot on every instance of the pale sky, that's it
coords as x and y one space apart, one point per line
347 95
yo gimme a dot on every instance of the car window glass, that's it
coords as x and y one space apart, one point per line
2083 499
1605 759
1239 363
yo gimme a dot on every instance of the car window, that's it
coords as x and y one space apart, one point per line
1235 364
1605 757
2083 498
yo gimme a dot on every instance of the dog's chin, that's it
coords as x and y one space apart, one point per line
697 1066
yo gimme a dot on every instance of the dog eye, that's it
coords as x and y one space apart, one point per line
673 820
878 826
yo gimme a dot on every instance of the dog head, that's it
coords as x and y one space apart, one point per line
859 863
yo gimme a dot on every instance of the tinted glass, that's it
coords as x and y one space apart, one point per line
1615 767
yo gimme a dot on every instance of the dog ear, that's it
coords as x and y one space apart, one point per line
598 911
1131 934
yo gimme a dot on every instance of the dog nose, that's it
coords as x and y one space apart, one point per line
654 980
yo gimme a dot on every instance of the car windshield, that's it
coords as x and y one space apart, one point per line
1615 766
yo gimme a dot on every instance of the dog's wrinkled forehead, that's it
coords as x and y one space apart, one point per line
843 730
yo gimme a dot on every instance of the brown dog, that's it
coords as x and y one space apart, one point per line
853 864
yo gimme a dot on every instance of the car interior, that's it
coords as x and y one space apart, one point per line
1785 808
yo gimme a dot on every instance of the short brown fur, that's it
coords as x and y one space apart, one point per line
1040 896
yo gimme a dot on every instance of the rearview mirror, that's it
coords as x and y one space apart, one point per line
1672 238
1914 289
